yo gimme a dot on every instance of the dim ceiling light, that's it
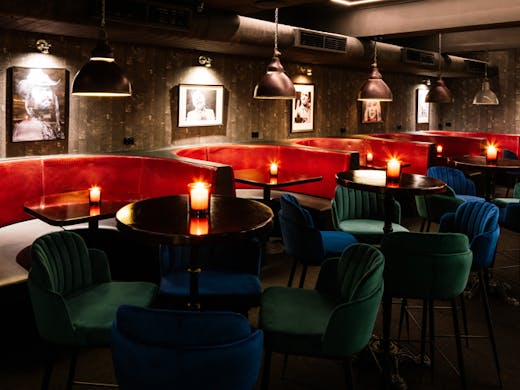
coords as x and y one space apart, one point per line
375 88
101 76
205 61
439 93
43 46
485 96
355 2
275 84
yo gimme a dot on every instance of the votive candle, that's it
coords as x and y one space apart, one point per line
199 196
199 226
439 149
491 153
393 169
273 169
94 195
370 157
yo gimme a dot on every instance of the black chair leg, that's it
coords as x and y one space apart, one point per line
424 322
428 226
432 338
460 356
284 365
267 368
464 318
293 271
404 317
72 368
51 357
489 321
387 318
423 222
349 378
303 275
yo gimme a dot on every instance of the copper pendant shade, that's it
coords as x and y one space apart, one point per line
101 76
375 88
275 84
439 93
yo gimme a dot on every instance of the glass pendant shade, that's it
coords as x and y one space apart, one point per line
375 88
439 93
485 96
275 84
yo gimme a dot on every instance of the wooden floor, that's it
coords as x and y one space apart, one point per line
22 358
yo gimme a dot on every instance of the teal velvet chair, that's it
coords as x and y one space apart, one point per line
335 319
158 349
305 243
73 297
361 213
429 267
431 208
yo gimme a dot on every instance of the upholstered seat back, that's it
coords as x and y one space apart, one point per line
454 178
474 218
61 263
167 349
426 265
349 203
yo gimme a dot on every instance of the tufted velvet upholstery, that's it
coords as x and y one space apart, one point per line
303 241
463 187
334 320
166 349
361 213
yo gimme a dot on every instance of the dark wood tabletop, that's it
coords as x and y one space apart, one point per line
166 220
70 208
480 162
262 178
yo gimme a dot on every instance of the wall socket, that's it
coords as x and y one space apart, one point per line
129 141
255 134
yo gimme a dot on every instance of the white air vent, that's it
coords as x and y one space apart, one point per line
320 41
421 57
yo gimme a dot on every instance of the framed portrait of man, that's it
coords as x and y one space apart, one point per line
200 105
37 104
302 113
371 111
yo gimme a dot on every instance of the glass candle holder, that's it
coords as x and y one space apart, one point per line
439 149
94 195
370 157
94 210
199 196
273 169
199 226
491 154
393 170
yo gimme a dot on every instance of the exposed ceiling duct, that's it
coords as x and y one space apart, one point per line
228 33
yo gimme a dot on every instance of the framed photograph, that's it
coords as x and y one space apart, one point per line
371 111
37 104
302 117
423 108
200 105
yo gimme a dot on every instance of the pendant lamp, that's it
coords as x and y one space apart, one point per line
485 96
375 88
275 84
439 93
101 76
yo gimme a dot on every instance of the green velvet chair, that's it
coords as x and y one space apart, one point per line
432 207
361 213
73 297
428 267
335 319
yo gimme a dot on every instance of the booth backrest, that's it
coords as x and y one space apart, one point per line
418 154
452 145
502 141
312 161
120 177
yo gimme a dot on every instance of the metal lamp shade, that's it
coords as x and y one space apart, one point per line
101 77
375 88
439 93
485 96
275 84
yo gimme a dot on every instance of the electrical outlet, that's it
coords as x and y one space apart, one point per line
255 134
128 141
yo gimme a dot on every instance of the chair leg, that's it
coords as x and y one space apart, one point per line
349 381
404 317
284 365
267 368
423 329
48 368
423 223
72 368
432 338
489 321
428 226
387 319
293 271
464 318
460 356
303 275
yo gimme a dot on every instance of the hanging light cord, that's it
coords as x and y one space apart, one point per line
276 51
485 71
103 14
440 55
375 54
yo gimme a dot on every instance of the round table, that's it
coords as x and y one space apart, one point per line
376 181
479 163
167 220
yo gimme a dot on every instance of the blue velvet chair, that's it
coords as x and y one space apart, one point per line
463 187
509 209
478 221
229 277
305 243
197 350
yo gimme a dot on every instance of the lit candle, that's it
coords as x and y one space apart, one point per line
491 153
370 157
393 169
94 195
199 197
199 226
439 149
273 169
